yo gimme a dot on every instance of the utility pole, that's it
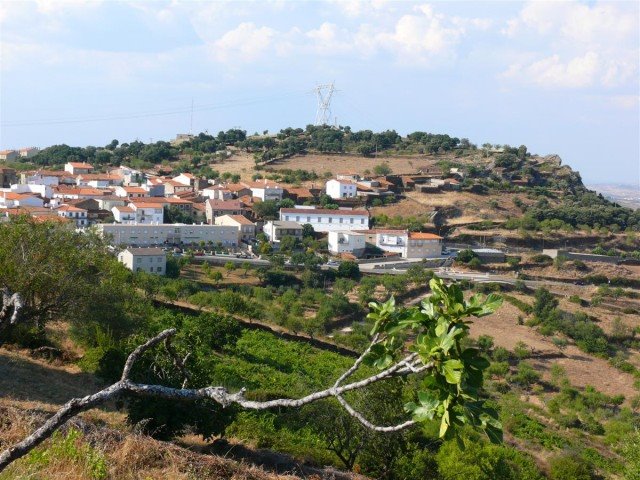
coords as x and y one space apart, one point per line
191 123
324 92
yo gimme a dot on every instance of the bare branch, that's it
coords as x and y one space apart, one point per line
11 302
358 416
217 394
178 362
126 371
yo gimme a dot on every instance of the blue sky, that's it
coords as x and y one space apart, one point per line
560 77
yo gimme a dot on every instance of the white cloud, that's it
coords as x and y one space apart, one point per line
244 43
552 72
578 45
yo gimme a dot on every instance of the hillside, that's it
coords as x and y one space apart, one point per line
564 348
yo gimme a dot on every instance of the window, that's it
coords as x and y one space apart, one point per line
330 220
341 219
351 221
362 221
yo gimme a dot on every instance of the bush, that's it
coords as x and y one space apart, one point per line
570 467
349 270
525 375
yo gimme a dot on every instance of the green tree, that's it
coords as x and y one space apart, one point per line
288 243
229 267
349 269
61 274
216 276
382 169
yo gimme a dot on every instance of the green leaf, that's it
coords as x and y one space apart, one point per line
452 371
426 410
447 341
490 305
444 424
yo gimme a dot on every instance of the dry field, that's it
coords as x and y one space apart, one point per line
582 369
194 273
354 164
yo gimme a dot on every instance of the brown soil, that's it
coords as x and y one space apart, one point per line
582 369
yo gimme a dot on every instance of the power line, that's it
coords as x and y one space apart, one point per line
158 113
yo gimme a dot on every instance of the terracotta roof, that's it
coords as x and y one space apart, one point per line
134 190
299 191
125 209
137 205
424 236
225 204
80 165
177 201
303 211
70 208
240 219
186 174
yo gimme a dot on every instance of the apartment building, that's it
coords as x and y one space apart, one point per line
169 234
326 220
246 228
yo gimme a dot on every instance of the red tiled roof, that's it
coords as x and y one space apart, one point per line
424 236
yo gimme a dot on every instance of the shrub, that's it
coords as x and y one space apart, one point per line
525 375
570 467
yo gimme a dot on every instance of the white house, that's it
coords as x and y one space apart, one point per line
43 191
150 260
185 179
148 213
246 228
78 215
124 214
76 168
276 229
326 220
347 242
338 189
216 192
217 208
9 155
11 200
131 192
169 234
406 244
265 190
28 152
40 178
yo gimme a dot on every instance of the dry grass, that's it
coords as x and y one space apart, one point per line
582 369
322 163
27 379
100 453
194 273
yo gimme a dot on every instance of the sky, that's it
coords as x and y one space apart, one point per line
560 77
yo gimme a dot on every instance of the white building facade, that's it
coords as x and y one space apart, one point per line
169 234
338 189
150 260
326 220
347 242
